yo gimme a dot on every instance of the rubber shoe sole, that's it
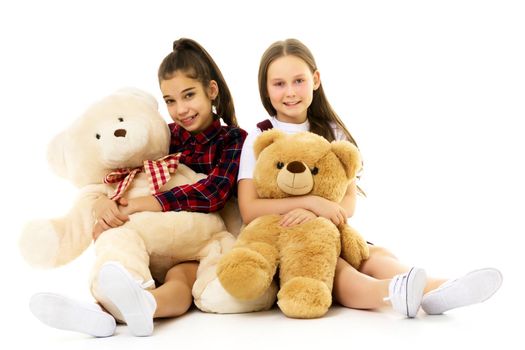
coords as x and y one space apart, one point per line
64 313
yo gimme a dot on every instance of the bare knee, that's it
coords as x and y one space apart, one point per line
354 289
380 258
376 251
185 272
382 264
174 296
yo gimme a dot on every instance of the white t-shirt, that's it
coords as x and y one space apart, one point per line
247 164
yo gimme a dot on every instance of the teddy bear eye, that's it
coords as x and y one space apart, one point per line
315 170
280 165
97 136
121 119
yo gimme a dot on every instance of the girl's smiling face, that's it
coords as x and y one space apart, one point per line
290 85
189 102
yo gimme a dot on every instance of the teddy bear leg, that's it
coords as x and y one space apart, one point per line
307 267
214 298
208 293
126 247
221 243
354 248
247 271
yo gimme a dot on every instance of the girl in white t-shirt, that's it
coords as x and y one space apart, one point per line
291 91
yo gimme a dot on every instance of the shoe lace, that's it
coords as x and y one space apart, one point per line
395 285
396 294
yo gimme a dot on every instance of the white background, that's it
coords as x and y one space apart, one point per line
432 91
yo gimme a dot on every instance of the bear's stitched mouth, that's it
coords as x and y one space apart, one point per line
294 188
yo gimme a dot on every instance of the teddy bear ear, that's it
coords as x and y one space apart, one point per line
146 97
56 155
266 139
349 156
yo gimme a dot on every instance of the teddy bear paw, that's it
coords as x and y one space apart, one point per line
39 244
244 273
304 297
356 252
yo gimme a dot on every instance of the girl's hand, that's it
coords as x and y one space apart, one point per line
107 213
328 209
134 205
110 214
296 217
97 231
124 207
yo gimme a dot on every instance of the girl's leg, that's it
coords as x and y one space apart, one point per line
382 264
136 306
356 290
475 287
174 296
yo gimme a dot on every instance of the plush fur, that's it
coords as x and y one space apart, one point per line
150 243
305 254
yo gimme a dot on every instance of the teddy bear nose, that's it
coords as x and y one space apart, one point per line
120 133
295 167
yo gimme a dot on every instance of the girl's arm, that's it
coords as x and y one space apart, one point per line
337 212
107 214
205 196
349 200
251 206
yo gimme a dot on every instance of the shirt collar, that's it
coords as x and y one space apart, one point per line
291 128
204 136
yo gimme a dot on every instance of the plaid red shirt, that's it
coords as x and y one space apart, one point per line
216 151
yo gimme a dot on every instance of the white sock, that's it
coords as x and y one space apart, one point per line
475 287
61 312
136 305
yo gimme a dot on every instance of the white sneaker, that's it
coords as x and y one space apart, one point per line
475 287
61 312
136 305
406 290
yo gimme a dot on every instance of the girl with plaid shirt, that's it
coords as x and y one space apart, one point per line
197 98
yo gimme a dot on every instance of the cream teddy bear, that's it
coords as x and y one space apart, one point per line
306 254
122 131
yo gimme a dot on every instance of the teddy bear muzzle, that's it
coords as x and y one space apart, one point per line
295 179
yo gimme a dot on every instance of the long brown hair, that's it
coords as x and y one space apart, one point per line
192 59
320 113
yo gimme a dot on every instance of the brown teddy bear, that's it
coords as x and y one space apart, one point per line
306 254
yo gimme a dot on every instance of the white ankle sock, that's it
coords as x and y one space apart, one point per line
136 305
475 287
61 312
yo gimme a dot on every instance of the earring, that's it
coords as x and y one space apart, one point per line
213 109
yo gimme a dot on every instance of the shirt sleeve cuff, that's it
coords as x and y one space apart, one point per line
168 201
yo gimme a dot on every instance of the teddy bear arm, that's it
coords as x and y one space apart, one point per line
54 242
75 228
354 249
